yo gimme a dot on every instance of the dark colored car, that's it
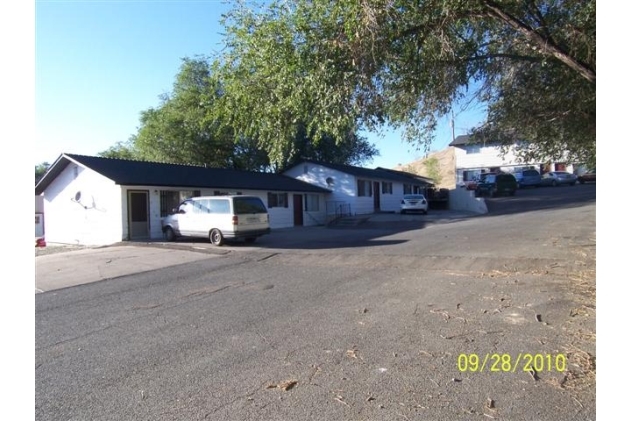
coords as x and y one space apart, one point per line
588 177
496 184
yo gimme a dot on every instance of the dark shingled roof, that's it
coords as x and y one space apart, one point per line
461 140
381 173
143 173
408 176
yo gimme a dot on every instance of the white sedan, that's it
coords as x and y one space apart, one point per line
414 202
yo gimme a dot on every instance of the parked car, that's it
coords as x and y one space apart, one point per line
493 184
556 178
588 177
471 184
528 178
218 218
414 202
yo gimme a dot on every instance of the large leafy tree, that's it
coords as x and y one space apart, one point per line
191 126
340 65
183 128
122 150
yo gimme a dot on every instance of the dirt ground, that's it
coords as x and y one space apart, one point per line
446 164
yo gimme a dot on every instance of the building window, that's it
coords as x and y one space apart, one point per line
407 189
277 200
386 187
472 149
312 202
170 199
364 188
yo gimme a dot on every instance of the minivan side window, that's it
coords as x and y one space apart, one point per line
219 206
187 207
243 205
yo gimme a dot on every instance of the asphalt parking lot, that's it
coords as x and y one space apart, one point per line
61 266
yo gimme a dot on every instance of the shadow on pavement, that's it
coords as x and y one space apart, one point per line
535 199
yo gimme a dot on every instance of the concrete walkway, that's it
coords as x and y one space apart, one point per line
61 270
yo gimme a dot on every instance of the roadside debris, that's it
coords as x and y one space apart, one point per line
351 353
286 385
340 399
533 374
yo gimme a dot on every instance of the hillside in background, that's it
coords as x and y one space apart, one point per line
440 166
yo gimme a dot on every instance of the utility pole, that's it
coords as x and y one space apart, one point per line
453 127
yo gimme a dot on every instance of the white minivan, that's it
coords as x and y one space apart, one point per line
218 218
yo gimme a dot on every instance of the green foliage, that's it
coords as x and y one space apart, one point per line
432 166
40 170
121 150
195 124
337 66
183 128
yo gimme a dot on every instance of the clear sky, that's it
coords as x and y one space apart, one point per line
98 64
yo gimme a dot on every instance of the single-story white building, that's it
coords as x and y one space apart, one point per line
357 190
98 201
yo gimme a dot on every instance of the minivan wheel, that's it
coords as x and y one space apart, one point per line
216 237
169 234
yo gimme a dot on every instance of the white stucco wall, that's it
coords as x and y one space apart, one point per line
93 220
39 204
465 200
344 185
344 188
488 156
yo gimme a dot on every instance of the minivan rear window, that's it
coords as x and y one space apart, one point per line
248 205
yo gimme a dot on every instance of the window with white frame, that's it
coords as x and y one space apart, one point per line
386 187
364 188
312 202
170 199
277 200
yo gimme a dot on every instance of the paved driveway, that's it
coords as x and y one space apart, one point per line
65 266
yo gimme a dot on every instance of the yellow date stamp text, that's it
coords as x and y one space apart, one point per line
506 363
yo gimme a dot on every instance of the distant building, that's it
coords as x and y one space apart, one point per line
476 157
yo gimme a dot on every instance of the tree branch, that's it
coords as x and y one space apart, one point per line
533 59
547 45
